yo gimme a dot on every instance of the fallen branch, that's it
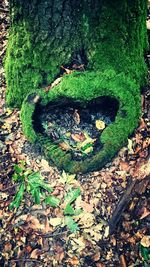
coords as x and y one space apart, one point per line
121 207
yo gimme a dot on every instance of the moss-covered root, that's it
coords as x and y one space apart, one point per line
85 87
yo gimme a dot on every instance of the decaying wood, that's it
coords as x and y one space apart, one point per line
121 206
135 187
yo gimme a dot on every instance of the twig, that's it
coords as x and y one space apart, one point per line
54 234
10 187
25 260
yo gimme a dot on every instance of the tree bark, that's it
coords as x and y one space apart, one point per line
47 34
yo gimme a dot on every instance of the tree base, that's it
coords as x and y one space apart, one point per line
84 87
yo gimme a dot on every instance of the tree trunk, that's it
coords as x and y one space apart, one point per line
47 34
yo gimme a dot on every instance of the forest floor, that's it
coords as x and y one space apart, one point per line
99 219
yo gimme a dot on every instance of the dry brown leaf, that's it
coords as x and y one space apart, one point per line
86 206
141 170
28 248
142 125
124 166
100 264
145 242
122 261
65 146
7 247
96 256
59 253
146 143
55 221
138 138
78 137
36 99
45 165
76 117
47 228
35 253
145 213
68 71
74 261
34 223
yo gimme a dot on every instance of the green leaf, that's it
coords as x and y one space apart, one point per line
52 201
36 195
70 211
145 252
18 197
18 169
72 195
71 224
36 180
16 177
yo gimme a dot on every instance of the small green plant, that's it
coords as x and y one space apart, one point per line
29 181
34 184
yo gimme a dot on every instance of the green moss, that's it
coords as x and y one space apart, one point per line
85 87
111 34
112 37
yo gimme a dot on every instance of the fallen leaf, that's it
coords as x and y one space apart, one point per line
65 146
100 264
74 261
55 221
142 125
145 242
130 148
34 223
67 70
76 117
96 256
122 261
59 254
45 165
35 253
86 206
36 99
141 170
78 137
145 213
78 244
100 125
56 82
124 166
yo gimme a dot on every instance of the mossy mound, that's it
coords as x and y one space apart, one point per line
84 87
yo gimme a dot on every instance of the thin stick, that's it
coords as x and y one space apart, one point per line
10 187
24 260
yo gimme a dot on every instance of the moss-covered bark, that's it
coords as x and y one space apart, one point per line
47 34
